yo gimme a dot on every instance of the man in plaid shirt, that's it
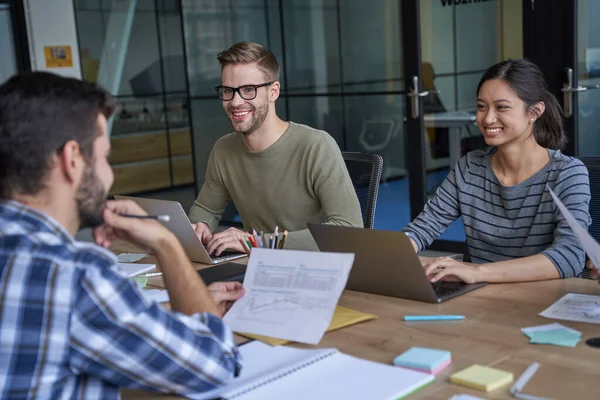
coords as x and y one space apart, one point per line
70 326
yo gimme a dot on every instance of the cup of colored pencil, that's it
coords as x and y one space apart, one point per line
263 240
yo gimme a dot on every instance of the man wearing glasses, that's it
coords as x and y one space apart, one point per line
277 173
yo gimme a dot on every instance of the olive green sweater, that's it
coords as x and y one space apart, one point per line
300 178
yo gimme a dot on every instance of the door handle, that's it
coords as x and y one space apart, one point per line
568 91
580 89
414 95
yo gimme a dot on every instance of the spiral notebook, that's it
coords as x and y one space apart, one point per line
288 373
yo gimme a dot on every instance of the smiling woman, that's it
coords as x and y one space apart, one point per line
513 228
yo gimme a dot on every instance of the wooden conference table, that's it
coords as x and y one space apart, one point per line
490 335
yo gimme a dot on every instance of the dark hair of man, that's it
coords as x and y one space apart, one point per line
39 113
527 81
249 52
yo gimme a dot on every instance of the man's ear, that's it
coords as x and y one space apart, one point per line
71 162
274 91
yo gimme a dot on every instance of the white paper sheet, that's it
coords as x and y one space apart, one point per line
155 295
575 307
464 397
129 270
591 247
290 294
130 257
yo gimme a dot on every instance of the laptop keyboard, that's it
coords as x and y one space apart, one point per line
443 289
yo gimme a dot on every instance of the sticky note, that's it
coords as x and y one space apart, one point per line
482 378
555 334
140 280
424 359
558 337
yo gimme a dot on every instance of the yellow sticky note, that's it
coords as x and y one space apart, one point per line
482 378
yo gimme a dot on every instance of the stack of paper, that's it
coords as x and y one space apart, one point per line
130 270
431 361
155 295
482 378
555 334
130 257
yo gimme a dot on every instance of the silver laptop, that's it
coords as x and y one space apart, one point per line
385 263
180 225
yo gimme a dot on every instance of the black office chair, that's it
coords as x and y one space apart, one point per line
365 173
593 166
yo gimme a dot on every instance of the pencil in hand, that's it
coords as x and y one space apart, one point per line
163 218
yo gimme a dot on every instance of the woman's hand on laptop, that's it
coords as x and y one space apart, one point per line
224 294
449 269
203 232
228 239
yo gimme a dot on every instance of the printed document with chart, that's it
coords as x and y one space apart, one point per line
290 294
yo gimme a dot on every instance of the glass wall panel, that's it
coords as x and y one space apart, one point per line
588 57
371 46
8 63
311 40
151 134
214 25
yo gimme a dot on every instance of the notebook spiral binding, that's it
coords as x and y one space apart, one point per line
285 372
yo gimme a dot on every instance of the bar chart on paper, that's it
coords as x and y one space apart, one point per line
290 294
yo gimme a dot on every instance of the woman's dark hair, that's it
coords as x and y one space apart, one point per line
39 113
527 81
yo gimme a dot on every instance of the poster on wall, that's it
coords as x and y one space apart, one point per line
58 56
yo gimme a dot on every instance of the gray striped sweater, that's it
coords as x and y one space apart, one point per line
502 223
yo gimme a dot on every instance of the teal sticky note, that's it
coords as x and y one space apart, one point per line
422 358
558 337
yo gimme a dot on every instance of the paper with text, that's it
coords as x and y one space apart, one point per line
590 245
575 307
290 294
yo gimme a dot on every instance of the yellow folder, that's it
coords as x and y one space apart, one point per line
482 378
342 317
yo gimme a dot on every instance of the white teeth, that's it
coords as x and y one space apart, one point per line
240 113
493 130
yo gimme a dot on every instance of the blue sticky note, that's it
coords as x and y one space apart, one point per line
422 358
558 337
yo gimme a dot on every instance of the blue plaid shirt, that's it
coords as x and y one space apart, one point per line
71 327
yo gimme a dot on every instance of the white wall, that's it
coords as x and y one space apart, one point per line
52 23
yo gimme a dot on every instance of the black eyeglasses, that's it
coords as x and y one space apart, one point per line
247 92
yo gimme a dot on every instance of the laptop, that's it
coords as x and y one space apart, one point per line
385 263
180 225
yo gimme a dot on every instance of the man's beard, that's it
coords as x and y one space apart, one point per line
91 199
259 117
